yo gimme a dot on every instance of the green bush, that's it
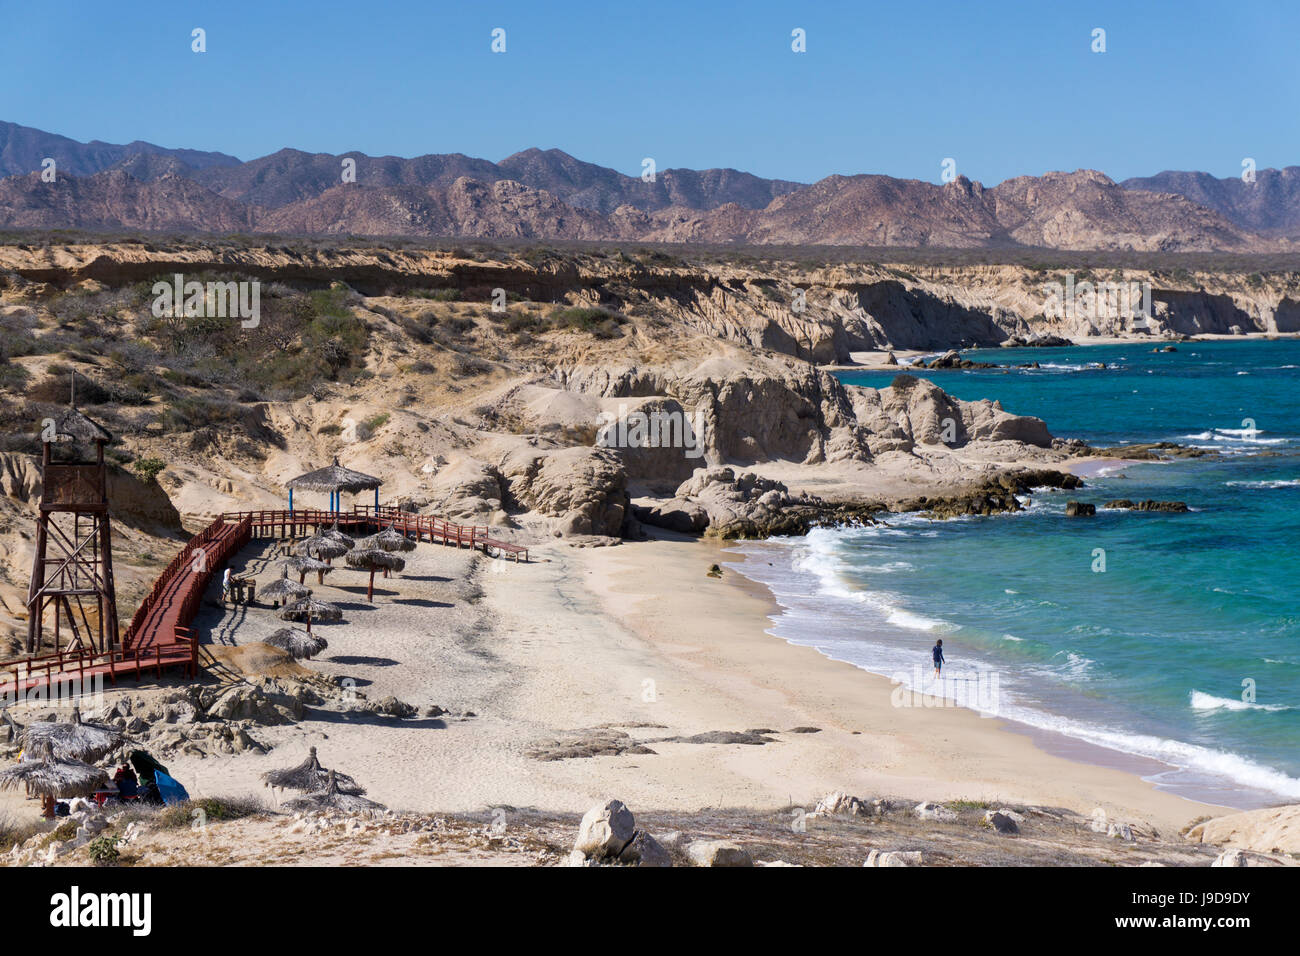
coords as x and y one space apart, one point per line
150 468
103 851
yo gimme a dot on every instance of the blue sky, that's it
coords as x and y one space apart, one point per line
1005 88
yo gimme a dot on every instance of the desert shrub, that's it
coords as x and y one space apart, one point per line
599 322
103 850
438 295
904 382
176 816
13 377
470 365
149 468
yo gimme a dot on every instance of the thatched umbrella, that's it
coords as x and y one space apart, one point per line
52 777
390 539
73 740
322 547
309 609
298 643
333 798
334 534
283 590
309 776
334 479
302 566
373 560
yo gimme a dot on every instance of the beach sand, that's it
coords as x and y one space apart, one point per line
635 640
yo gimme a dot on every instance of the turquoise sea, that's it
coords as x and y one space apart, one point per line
1185 648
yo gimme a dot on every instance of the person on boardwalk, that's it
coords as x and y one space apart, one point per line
937 653
226 586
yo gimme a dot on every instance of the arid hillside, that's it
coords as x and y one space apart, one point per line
498 386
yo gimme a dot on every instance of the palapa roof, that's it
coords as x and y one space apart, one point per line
319 611
390 539
46 774
333 797
310 776
321 546
74 740
373 559
284 586
334 478
298 644
76 425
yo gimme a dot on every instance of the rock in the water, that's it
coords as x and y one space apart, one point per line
1079 509
1148 505
605 830
718 853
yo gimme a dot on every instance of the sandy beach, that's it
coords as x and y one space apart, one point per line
584 646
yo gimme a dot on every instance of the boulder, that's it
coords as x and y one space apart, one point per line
727 505
718 853
1148 505
605 830
893 858
644 850
1268 830
1001 822
1120 831
934 811
1079 509
583 489
250 702
841 803
1231 858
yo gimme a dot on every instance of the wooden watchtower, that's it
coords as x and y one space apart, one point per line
72 573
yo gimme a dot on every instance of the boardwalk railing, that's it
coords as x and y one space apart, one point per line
288 524
159 635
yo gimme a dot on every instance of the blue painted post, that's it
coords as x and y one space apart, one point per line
290 501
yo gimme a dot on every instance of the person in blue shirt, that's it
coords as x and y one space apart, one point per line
937 653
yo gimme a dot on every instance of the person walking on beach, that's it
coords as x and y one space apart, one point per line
937 653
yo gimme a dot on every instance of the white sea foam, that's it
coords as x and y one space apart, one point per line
835 629
1276 483
1203 701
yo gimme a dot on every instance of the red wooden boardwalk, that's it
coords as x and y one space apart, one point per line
159 636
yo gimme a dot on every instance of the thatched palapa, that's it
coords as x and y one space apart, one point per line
333 798
310 777
333 478
373 560
309 609
299 644
285 590
302 565
75 739
50 776
322 547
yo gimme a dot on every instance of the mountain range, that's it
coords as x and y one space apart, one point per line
548 194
